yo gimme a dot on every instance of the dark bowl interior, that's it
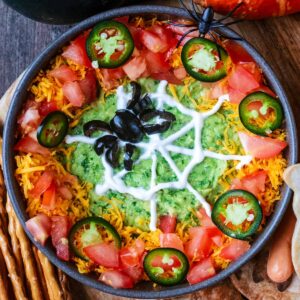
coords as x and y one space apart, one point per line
143 290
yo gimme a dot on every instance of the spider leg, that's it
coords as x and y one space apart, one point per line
184 35
181 25
226 24
192 14
231 12
149 114
156 128
128 162
106 141
196 9
112 154
136 94
142 104
95 125
228 37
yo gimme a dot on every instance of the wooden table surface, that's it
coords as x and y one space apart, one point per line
278 40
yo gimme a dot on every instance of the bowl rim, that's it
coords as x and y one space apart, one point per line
16 197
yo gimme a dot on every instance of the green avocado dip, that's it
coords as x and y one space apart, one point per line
204 177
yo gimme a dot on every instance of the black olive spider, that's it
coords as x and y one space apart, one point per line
129 125
205 22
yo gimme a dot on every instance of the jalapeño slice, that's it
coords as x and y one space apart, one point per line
109 44
166 266
237 213
91 230
201 59
53 129
260 113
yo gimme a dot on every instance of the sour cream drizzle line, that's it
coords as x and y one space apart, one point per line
156 144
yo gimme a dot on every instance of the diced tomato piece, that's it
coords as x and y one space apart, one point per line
43 183
117 279
59 235
124 20
30 119
170 240
265 89
135 273
131 256
63 74
253 69
204 219
199 246
156 62
201 271
180 73
77 51
261 147
29 145
136 35
73 92
88 86
235 96
254 183
235 249
65 192
110 76
218 89
180 31
237 53
153 41
49 197
167 223
135 67
106 255
47 107
241 80
168 76
40 227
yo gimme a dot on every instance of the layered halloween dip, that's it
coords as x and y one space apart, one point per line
141 159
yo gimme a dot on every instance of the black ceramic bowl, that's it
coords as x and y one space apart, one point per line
143 290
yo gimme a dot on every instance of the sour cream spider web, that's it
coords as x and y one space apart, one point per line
164 146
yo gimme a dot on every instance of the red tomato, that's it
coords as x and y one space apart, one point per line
135 273
106 255
253 183
237 53
235 249
40 227
63 74
167 224
77 52
135 67
235 96
65 192
131 256
180 73
180 31
170 240
47 107
241 80
111 75
154 42
168 76
43 183
49 197
204 219
59 235
73 92
253 69
261 147
30 119
29 145
88 86
219 89
117 279
156 62
199 246
264 89
201 271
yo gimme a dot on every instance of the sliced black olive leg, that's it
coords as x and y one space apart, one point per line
95 125
149 114
128 162
106 141
156 128
112 155
142 104
136 94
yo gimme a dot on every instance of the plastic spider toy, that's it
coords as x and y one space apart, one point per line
205 59
128 125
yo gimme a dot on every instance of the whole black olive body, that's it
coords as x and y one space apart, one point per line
127 126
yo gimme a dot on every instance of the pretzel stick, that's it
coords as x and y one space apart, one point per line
63 280
41 274
27 255
3 282
11 265
14 239
54 290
